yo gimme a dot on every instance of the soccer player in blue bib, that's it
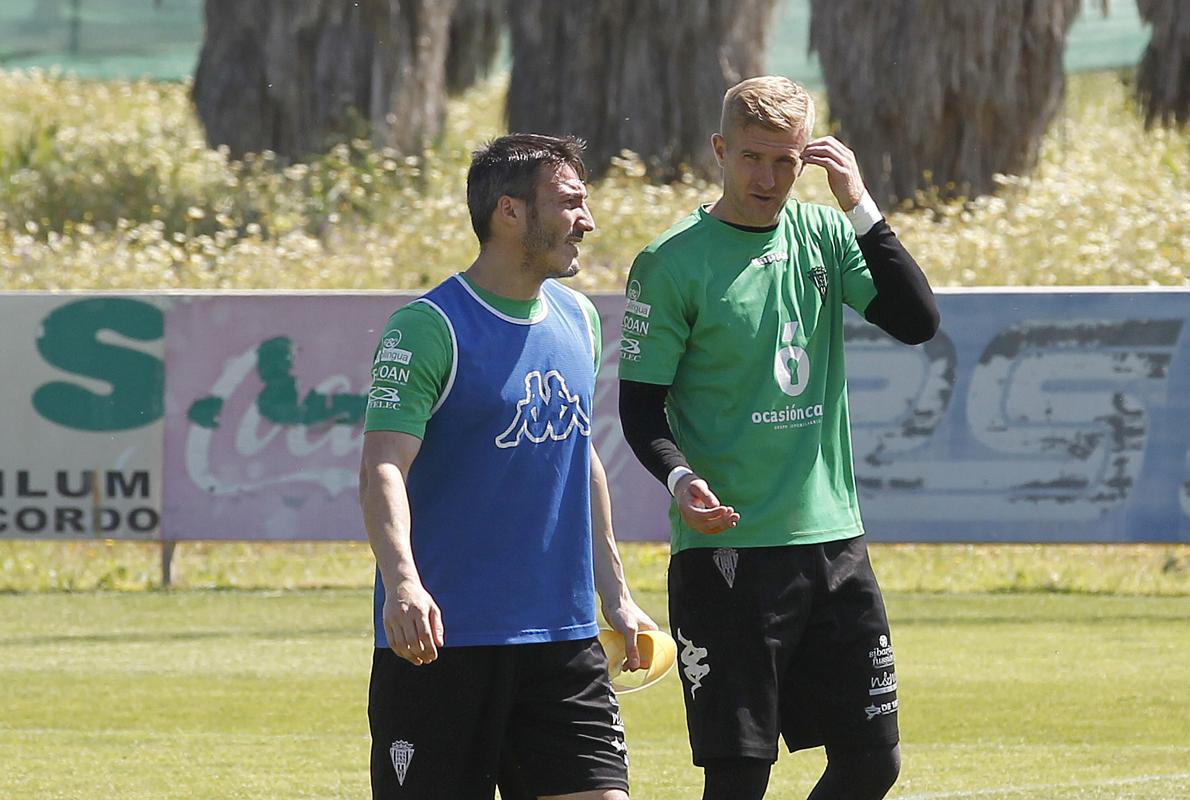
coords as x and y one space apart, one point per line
487 509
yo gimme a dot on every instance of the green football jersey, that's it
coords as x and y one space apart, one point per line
412 363
746 329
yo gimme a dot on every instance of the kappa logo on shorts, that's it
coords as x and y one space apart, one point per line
401 753
726 559
692 667
549 411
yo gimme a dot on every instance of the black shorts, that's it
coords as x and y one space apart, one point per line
789 641
539 719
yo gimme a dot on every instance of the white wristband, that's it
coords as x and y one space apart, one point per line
675 475
864 215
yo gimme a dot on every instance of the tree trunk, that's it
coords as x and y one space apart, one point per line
1163 75
937 93
642 75
296 76
475 30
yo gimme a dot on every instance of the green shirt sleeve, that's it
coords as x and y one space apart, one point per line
595 325
410 370
656 323
858 288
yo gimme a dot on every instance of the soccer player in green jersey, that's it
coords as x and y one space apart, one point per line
487 508
733 394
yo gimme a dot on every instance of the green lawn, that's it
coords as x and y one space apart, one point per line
237 694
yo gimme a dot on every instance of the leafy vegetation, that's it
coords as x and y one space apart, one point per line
109 185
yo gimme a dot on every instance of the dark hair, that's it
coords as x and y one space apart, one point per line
509 166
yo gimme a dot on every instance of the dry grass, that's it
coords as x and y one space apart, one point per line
108 185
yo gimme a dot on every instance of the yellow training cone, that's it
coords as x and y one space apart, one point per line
658 651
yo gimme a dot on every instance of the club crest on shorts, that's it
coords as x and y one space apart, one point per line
821 280
401 753
726 559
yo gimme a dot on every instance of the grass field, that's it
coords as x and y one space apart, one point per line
208 694
1026 672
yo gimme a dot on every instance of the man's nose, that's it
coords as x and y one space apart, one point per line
585 221
764 176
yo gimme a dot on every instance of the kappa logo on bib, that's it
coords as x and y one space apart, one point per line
549 411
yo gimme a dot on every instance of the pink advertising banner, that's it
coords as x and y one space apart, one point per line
1057 415
264 404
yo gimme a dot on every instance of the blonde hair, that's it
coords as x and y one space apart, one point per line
770 101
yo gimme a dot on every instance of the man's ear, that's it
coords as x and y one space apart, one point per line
509 211
719 146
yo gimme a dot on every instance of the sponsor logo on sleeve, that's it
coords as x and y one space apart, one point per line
388 372
637 326
390 351
634 305
629 349
384 397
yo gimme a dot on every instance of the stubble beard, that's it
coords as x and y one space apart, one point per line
538 244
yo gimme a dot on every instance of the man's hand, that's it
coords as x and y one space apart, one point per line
842 171
626 617
413 623
700 508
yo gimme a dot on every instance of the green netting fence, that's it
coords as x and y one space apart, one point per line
160 39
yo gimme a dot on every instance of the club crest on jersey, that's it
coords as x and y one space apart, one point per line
821 280
548 411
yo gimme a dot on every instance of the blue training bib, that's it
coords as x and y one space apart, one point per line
499 493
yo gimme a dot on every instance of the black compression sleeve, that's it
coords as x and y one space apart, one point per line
904 305
646 429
